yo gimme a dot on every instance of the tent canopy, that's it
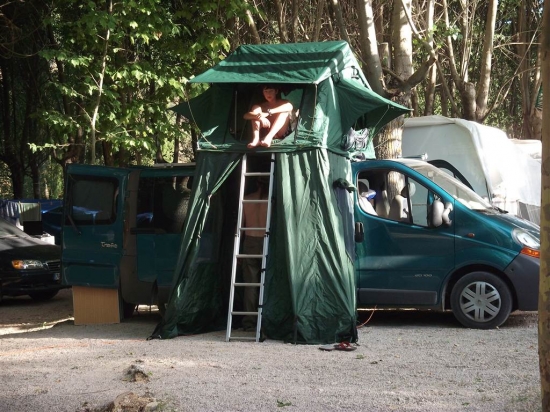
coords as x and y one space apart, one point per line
297 63
323 81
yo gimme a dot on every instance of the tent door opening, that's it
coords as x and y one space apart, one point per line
254 210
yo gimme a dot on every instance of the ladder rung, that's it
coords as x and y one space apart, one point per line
257 174
250 256
255 200
246 284
245 313
254 228
242 338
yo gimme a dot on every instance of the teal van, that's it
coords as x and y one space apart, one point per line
435 244
122 229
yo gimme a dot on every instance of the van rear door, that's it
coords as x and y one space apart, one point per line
92 225
162 200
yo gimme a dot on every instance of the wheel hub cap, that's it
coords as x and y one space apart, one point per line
480 301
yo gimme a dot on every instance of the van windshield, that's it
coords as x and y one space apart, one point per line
452 186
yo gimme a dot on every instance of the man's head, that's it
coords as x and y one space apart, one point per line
270 91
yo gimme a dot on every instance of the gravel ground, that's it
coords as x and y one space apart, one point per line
405 361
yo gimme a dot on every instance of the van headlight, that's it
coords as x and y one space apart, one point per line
27 264
530 244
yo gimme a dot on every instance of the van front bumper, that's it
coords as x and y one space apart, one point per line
523 272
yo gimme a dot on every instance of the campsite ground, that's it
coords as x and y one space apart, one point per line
405 361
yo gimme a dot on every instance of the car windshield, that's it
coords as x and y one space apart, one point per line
456 189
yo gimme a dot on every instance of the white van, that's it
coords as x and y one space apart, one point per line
483 157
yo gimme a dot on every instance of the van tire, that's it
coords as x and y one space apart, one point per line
481 300
162 308
128 309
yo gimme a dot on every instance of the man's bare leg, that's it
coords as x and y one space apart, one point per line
278 124
255 134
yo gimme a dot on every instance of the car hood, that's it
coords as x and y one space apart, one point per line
15 247
513 221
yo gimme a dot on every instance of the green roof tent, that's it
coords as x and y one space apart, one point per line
310 282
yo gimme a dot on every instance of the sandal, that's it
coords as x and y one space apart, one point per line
343 346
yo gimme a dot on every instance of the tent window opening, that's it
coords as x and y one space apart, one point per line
245 96
93 200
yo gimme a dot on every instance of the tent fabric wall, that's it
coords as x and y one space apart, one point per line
195 303
309 254
310 283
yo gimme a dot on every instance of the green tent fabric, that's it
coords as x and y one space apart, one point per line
291 63
322 80
310 283
309 294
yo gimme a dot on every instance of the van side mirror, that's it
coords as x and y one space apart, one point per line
440 213
359 232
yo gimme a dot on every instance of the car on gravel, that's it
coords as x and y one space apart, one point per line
28 265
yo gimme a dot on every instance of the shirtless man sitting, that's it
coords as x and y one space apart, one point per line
273 115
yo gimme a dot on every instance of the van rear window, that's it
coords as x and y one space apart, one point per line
92 199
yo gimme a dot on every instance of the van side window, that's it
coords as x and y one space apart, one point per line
162 204
393 196
419 204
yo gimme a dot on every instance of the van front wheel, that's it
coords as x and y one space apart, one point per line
481 300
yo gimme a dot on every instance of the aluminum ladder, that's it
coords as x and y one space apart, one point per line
237 255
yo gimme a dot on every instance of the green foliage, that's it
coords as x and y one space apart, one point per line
153 49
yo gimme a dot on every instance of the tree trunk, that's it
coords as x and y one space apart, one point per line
429 95
295 26
95 114
252 27
482 94
544 289
403 68
35 176
340 20
318 20
369 47
522 50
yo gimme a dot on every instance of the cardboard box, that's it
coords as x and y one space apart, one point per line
94 306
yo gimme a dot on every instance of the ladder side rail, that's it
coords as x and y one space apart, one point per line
236 249
266 247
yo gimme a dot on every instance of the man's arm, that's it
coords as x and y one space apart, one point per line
255 113
284 106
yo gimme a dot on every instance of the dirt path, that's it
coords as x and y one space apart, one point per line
407 361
